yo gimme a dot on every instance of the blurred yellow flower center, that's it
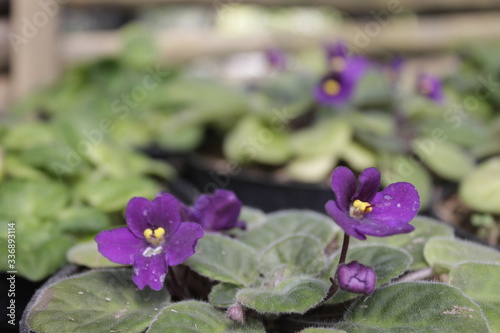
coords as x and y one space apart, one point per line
154 237
359 208
337 64
425 86
331 87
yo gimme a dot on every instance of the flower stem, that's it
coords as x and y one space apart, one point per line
345 246
174 288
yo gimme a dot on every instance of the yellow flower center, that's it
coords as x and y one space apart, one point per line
154 237
425 87
331 87
359 208
337 64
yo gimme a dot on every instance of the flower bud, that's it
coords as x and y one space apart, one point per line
356 278
235 313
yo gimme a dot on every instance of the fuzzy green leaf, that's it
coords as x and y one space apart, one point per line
32 198
295 295
198 317
111 195
479 190
223 295
415 307
481 282
86 254
225 259
96 301
296 255
290 222
445 159
444 253
414 242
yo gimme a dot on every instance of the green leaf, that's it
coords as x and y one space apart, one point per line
445 159
295 255
27 135
415 307
311 169
223 295
32 198
253 217
358 157
414 242
481 282
326 138
111 195
96 301
252 141
388 263
86 254
444 253
16 168
225 259
290 222
83 220
400 168
198 317
294 295
479 190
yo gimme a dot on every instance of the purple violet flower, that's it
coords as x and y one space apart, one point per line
216 212
336 88
154 239
430 87
277 59
336 56
361 210
356 278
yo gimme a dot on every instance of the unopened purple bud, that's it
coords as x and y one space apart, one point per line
235 313
356 278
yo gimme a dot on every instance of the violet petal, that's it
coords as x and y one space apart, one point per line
181 245
344 187
369 182
136 215
219 211
150 271
164 212
119 245
397 202
342 218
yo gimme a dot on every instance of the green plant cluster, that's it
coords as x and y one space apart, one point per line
278 271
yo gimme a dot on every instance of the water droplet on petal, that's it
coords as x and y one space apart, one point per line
398 205
387 197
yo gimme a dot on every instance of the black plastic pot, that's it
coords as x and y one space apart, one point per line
253 187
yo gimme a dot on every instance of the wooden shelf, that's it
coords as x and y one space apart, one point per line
352 6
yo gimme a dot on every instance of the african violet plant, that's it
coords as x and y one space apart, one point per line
283 272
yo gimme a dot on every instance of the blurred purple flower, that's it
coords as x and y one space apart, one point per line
336 56
430 87
277 59
394 68
216 212
356 278
361 210
336 88
154 239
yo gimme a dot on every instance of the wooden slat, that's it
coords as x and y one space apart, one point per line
400 35
350 6
4 85
34 55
